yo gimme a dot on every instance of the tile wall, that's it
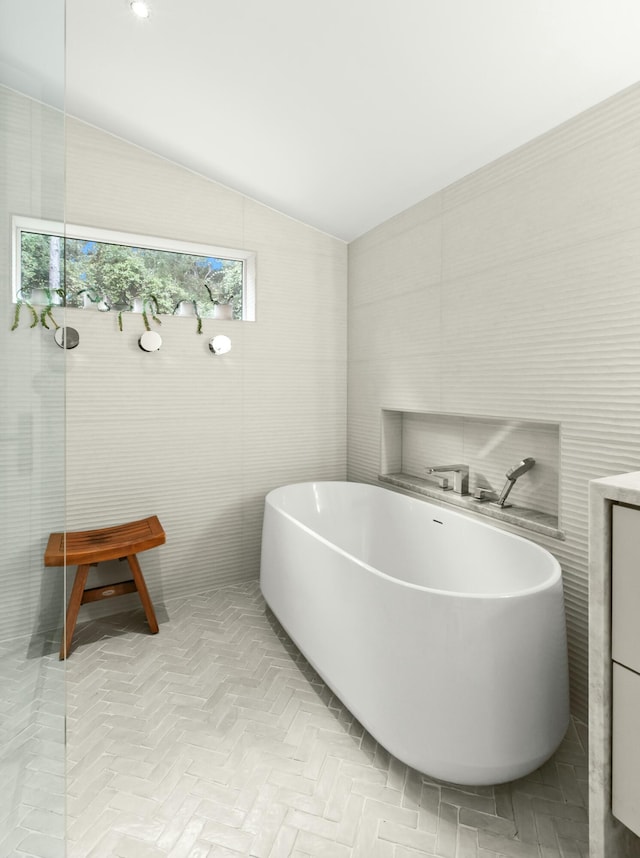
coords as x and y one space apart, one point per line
515 294
197 439
31 380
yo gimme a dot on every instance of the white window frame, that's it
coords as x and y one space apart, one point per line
129 239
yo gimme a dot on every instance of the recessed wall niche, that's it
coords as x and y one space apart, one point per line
413 441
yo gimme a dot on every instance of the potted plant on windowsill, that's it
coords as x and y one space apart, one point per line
222 305
40 302
188 307
143 306
191 307
93 299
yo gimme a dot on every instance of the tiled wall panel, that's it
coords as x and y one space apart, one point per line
538 297
197 439
31 381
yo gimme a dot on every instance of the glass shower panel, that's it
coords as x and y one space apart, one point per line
32 437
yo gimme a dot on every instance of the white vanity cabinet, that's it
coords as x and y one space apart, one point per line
625 652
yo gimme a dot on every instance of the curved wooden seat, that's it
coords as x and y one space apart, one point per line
85 548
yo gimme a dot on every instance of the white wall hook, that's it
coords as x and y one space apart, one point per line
220 345
150 341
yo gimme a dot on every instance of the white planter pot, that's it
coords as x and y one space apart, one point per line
223 311
39 298
185 308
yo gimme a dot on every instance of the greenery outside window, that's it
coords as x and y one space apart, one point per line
80 266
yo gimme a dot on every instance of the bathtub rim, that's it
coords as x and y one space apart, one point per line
551 580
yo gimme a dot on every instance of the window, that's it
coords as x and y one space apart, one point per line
79 265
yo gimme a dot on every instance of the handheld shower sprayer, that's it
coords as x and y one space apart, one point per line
512 475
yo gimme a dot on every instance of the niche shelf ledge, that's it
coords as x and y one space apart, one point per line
528 519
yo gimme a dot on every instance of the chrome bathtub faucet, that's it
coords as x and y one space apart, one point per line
443 482
483 493
460 476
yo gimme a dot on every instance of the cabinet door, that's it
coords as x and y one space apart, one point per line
625 593
625 783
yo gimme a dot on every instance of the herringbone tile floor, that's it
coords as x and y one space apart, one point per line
32 749
215 738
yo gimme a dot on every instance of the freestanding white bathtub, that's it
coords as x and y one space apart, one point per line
444 636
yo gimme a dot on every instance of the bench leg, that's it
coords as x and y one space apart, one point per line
72 610
143 593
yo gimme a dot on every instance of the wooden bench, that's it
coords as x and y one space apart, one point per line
86 548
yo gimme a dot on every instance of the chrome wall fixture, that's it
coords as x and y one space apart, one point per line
220 345
150 341
66 338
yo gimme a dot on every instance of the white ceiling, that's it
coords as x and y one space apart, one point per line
343 112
